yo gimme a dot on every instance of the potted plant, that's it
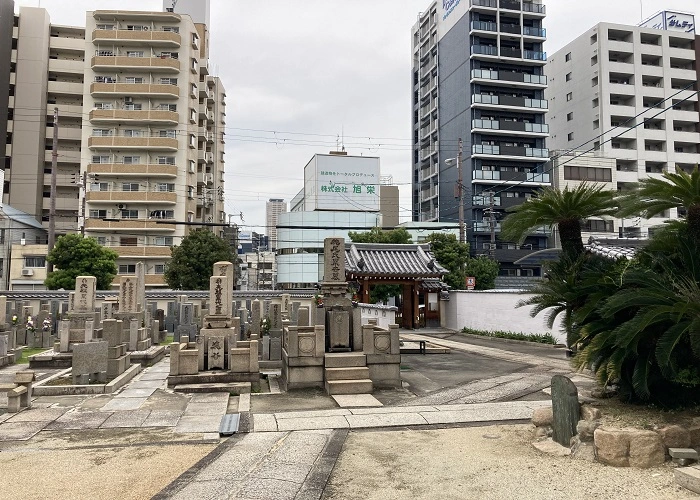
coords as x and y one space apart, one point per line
318 300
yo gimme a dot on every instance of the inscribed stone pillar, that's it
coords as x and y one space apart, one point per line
275 317
286 302
64 335
3 346
140 287
89 330
294 312
128 295
3 310
334 260
85 294
133 334
255 321
224 268
220 296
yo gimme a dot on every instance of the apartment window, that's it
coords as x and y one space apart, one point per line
162 214
102 132
596 102
98 214
132 160
596 124
159 269
567 57
105 53
127 268
193 167
165 160
104 105
569 96
164 187
568 77
133 107
678 149
101 240
587 174
35 261
130 186
136 27
195 64
193 141
163 241
190 192
133 79
594 81
133 133
106 27
193 116
594 60
570 137
101 159
172 29
134 53
168 81
167 107
130 214
569 116
104 79
168 55
99 186
597 226
130 241
167 133
594 38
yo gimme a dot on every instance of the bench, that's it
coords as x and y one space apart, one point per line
19 394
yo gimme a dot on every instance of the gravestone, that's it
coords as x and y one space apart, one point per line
565 410
220 292
303 316
339 326
294 313
243 315
89 362
334 260
255 320
140 287
89 330
266 308
84 298
216 352
286 302
169 321
107 309
3 311
128 295
186 328
275 317
64 335
3 346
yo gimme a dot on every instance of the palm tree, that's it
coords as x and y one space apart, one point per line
565 209
653 196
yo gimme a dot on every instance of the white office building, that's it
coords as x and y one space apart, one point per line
629 93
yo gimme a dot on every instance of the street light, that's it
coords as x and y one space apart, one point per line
459 189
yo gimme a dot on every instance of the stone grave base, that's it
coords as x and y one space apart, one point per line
148 357
41 389
384 369
269 365
301 372
215 377
235 388
51 359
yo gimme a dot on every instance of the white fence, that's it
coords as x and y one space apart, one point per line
385 315
495 310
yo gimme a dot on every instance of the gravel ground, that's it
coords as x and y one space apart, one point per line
481 462
132 472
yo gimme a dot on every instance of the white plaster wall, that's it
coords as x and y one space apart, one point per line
495 310
385 315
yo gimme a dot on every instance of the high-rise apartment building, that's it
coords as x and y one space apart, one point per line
140 128
273 208
478 76
630 94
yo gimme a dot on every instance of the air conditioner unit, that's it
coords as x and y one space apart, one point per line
27 272
121 206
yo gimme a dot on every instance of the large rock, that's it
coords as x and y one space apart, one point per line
646 449
612 446
590 413
565 409
675 436
542 417
552 448
694 432
586 428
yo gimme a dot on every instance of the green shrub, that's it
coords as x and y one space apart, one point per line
538 338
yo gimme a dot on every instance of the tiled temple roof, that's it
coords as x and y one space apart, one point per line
392 261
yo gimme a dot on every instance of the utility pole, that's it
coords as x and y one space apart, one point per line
52 201
492 226
460 187
83 186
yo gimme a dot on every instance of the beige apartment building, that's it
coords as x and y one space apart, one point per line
141 129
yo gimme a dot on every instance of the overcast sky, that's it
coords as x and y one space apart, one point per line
299 73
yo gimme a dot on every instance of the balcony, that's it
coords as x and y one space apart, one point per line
55 87
509 77
64 156
511 52
505 100
486 50
487 4
150 90
66 66
154 38
154 64
129 225
484 26
126 116
507 176
66 133
535 55
122 169
510 126
155 143
205 156
530 31
205 179
485 227
147 252
131 197
534 8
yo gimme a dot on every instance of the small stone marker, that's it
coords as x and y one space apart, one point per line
565 409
